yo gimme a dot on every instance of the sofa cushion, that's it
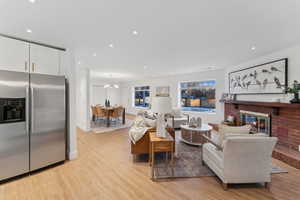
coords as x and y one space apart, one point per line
177 122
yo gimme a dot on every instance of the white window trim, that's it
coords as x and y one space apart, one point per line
191 111
133 97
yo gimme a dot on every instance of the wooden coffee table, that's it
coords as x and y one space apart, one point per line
158 144
193 136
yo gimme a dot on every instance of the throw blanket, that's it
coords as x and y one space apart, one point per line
138 129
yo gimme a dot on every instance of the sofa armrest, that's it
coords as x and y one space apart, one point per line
219 148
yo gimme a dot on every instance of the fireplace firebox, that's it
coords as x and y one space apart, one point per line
260 122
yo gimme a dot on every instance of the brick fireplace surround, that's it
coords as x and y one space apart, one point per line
285 123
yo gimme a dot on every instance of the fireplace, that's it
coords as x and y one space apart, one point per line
260 122
281 120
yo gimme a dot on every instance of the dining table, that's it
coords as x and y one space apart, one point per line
109 111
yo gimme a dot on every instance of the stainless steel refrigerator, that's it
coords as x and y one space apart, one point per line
32 122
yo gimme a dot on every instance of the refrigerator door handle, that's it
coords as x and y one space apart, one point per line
27 117
32 110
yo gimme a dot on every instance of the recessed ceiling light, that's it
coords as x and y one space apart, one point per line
79 62
135 32
31 1
253 48
111 45
94 54
145 67
28 30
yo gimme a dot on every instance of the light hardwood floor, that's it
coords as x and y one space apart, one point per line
104 170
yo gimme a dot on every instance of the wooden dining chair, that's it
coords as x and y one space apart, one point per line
116 114
101 113
94 113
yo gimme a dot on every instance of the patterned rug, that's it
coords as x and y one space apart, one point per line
188 163
100 127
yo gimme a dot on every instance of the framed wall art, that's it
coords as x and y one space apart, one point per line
163 91
267 78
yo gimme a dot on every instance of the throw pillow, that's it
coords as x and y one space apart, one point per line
224 130
150 115
150 122
139 122
176 113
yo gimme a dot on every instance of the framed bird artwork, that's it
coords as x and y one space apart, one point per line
267 78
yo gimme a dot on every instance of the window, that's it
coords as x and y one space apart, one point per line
198 96
141 96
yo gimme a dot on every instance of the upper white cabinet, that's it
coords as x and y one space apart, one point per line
14 55
44 60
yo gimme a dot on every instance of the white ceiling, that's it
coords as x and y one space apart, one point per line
175 36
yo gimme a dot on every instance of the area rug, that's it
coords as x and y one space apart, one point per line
188 163
101 127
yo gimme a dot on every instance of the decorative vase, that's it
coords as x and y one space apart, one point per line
161 126
296 98
199 122
193 122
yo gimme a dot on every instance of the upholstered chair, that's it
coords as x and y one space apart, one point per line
177 118
241 159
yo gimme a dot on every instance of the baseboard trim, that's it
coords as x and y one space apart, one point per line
72 155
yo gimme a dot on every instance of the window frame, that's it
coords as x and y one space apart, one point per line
133 96
196 111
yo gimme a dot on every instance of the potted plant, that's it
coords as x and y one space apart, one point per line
294 90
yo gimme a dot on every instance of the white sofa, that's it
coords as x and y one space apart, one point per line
241 159
177 118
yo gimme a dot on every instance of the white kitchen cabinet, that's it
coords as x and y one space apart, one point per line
14 55
64 63
44 60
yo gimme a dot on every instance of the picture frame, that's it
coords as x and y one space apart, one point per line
267 78
163 91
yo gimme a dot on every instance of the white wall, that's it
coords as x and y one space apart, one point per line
99 94
83 99
173 82
293 55
69 67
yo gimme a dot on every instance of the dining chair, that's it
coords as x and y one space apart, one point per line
116 114
94 113
101 113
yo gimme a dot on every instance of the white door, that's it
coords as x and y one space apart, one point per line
44 60
14 55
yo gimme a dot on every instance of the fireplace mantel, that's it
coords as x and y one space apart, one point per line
274 105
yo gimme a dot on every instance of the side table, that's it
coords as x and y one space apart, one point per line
158 144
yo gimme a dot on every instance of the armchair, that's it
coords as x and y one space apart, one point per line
241 159
177 118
